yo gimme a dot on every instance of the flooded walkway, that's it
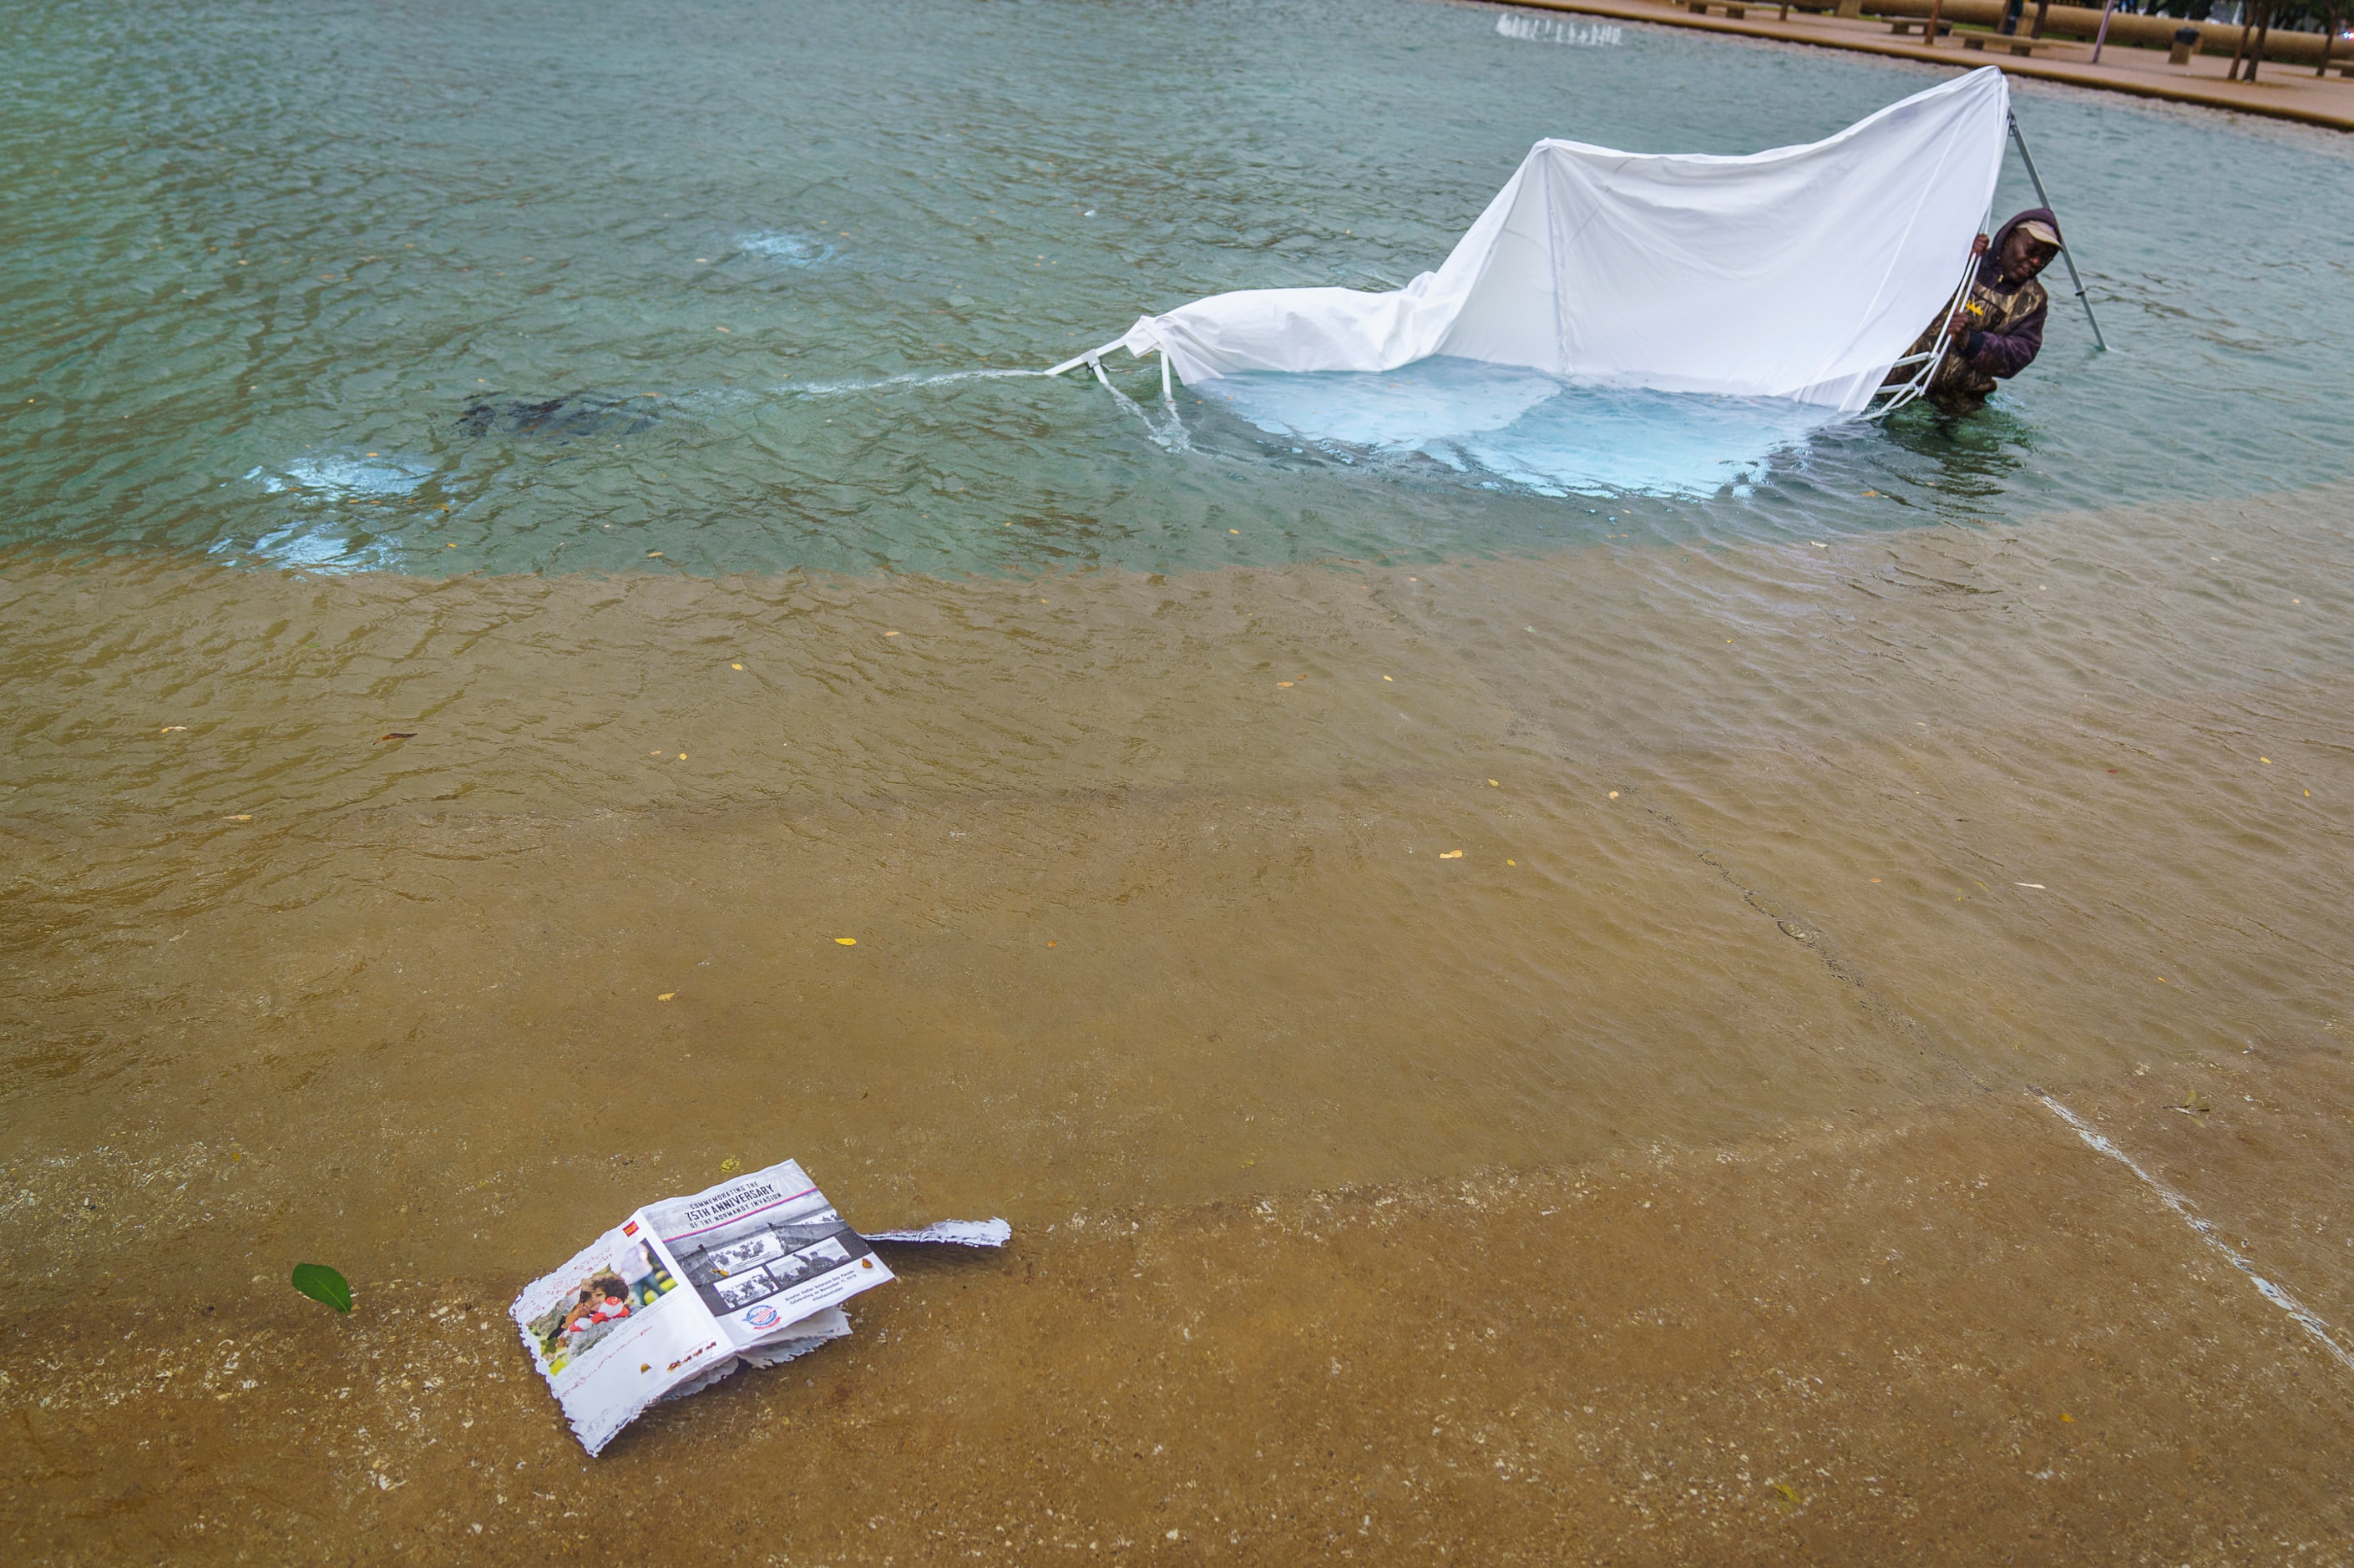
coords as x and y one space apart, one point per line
1508 1008
2284 89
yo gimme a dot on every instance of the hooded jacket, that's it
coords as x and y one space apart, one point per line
2013 335
2007 329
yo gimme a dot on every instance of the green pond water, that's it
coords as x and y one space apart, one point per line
432 287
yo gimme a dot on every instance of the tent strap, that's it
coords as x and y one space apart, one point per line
1093 356
1929 361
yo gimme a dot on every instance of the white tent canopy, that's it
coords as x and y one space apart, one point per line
1802 273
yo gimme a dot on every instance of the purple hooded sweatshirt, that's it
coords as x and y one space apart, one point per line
2012 348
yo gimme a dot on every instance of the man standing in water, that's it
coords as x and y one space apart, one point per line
1998 330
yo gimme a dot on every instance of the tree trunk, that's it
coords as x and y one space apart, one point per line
2256 55
2247 26
2041 7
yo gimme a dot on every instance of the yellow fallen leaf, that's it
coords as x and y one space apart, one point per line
171 728
666 996
654 554
734 666
1493 785
1614 794
2265 760
847 941
1511 862
682 757
890 634
2066 1416
729 1166
247 818
1450 854
1283 683
1385 677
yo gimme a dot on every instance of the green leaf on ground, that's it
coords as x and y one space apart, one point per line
321 1283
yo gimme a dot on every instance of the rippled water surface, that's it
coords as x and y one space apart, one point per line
520 529
353 290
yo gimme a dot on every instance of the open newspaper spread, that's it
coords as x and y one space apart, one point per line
753 1270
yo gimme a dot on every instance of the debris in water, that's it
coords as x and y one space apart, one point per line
325 1286
752 1272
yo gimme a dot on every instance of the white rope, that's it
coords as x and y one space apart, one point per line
1934 358
1173 438
2305 1317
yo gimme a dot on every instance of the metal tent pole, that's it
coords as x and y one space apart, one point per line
2029 159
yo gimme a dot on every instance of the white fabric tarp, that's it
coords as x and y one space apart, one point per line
1802 273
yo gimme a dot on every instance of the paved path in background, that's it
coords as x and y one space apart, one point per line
2281 92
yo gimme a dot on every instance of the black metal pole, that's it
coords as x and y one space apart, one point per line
2029 159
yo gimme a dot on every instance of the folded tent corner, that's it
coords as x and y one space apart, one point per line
1799 272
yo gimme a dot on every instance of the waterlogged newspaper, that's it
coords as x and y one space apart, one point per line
752 1271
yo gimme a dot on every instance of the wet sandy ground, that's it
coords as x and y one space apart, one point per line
1787 871
1947 1335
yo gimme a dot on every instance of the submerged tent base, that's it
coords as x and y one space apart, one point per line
1509 429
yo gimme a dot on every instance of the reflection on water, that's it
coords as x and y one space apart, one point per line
792 250
1507 424
1980 456
346 475
570 418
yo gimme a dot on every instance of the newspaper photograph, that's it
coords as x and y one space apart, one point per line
764 1251
612 1331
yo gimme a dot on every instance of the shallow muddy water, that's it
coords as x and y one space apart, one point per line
460 698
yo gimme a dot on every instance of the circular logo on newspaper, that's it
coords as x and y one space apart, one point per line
761 1318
